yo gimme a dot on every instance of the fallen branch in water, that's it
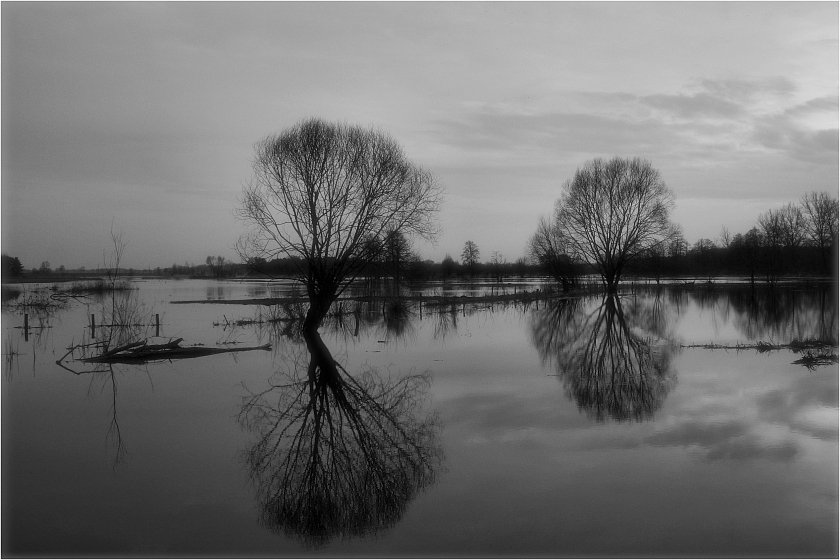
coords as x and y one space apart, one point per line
141 352
816 351
761 346
811 360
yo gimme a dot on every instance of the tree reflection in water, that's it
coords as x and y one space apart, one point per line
605 359
339 454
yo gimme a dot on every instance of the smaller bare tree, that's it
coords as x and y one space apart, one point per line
470 256
821 224
725 237
549 248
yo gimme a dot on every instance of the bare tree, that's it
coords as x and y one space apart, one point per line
470 256
550 248
725 237
447 266
793 226
784 233
821 213
217 266
397 256
321 192
613 211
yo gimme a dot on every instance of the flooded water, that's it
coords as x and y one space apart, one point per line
561 427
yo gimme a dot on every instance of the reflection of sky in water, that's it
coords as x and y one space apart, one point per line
740 458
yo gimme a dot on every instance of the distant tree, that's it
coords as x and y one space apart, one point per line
725 237
552 251
447 266
655 257
45 268
821 222
753 241
470 256
497 264
704 244
677 245
775 225
793 226
11 266
320 192
216 265
703 257
612 212
397 255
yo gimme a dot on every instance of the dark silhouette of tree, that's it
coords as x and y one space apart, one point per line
338 455
217 265
397 256
470 256
446 322
778 315
552 250
725 237
605 365
613 211
447 266
12 267
772 241
821 222
321 192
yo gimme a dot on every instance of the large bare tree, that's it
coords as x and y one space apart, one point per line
324 194
613 211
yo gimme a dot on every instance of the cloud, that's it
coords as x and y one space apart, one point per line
828 104
733 440
804 407
745 90
699 105
781 134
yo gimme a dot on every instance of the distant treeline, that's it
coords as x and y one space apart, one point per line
795 240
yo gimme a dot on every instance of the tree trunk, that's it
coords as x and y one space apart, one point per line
319 306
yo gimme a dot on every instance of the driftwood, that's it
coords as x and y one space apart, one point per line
811 360
761 346
141 352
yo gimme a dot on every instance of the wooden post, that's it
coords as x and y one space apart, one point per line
92 324
26 327
157 324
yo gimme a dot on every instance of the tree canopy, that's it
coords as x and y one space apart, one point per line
612 212
329 193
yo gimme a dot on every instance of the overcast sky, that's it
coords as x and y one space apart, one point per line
145 114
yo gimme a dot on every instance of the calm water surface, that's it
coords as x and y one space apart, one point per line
580 427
